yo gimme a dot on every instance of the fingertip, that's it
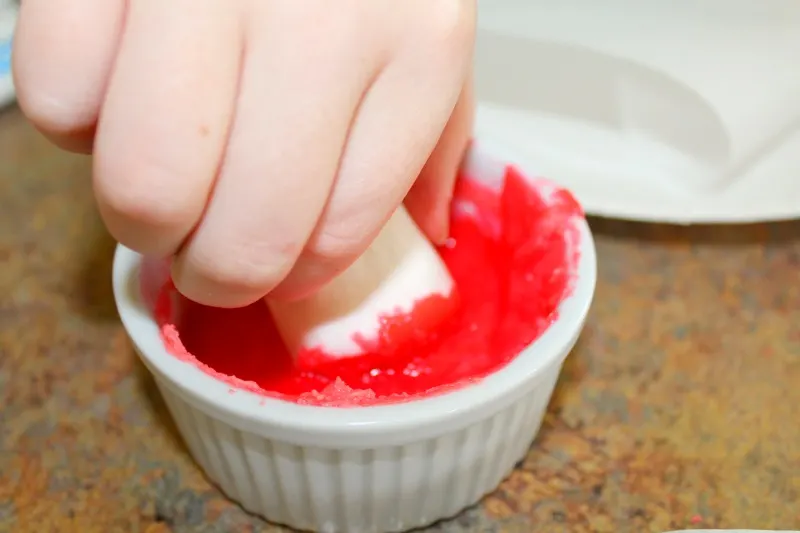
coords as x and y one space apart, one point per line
430 208
145 206
307 276
209 288
219 267
439 228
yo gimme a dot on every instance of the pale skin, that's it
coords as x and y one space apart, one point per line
260 143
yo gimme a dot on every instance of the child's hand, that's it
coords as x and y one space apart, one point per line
262 142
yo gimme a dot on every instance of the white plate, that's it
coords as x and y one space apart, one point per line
679 112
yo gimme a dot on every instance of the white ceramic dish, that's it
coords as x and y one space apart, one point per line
362 470
678 111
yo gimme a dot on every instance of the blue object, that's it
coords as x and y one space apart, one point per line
5 57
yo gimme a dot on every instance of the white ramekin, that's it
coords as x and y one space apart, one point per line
359 470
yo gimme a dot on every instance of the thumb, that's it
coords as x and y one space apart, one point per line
428 201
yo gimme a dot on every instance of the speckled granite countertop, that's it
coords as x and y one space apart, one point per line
679 408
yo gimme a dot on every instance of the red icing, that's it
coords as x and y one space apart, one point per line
512 255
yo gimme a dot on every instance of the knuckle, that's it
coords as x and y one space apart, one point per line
452 23
334 246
